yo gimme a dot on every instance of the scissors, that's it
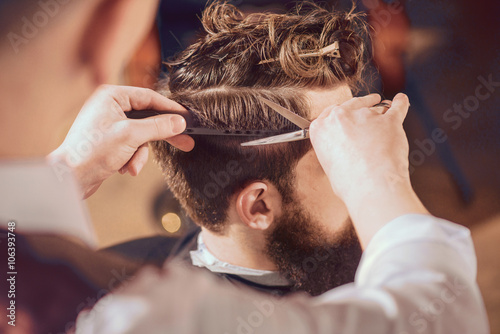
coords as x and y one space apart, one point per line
301 122
286 137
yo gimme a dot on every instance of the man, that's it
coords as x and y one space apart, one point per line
268 216
93 39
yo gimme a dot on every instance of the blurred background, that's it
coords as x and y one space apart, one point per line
444 54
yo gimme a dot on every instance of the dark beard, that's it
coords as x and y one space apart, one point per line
312 260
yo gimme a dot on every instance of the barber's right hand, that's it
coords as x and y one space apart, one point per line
364 153
103 140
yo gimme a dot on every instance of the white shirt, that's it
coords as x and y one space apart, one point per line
203 258
42 197
417 275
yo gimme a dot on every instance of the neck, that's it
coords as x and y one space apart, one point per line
240 248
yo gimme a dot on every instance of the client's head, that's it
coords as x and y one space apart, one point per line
273 203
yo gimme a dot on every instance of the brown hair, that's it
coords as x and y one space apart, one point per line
219 79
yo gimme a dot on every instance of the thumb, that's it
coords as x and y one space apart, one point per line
156 128
399 107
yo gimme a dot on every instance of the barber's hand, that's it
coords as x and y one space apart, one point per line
364 152
103 140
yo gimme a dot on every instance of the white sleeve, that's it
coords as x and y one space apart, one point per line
417 275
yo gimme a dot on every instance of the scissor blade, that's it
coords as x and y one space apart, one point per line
284 138
291 116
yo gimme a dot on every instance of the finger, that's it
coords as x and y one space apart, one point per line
182 142
135 98
155 128
399 107
361 102
138 160
123 170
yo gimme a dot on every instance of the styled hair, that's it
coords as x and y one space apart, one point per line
220 78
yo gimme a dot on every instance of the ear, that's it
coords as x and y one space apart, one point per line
258 204
111 34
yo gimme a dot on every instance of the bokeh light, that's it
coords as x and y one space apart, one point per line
171 222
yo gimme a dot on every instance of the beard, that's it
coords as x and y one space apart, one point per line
310 258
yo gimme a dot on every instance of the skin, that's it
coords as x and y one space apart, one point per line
312 186
343 139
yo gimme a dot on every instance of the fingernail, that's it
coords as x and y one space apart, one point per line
178 124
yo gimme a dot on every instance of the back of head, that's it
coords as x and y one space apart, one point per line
220 79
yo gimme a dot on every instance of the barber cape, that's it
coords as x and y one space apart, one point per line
191 250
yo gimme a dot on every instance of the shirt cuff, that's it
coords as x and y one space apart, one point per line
420 230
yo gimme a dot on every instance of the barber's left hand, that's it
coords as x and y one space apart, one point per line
103 140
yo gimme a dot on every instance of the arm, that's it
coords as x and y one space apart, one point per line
103 140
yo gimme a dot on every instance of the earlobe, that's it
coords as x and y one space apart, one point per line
255 206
